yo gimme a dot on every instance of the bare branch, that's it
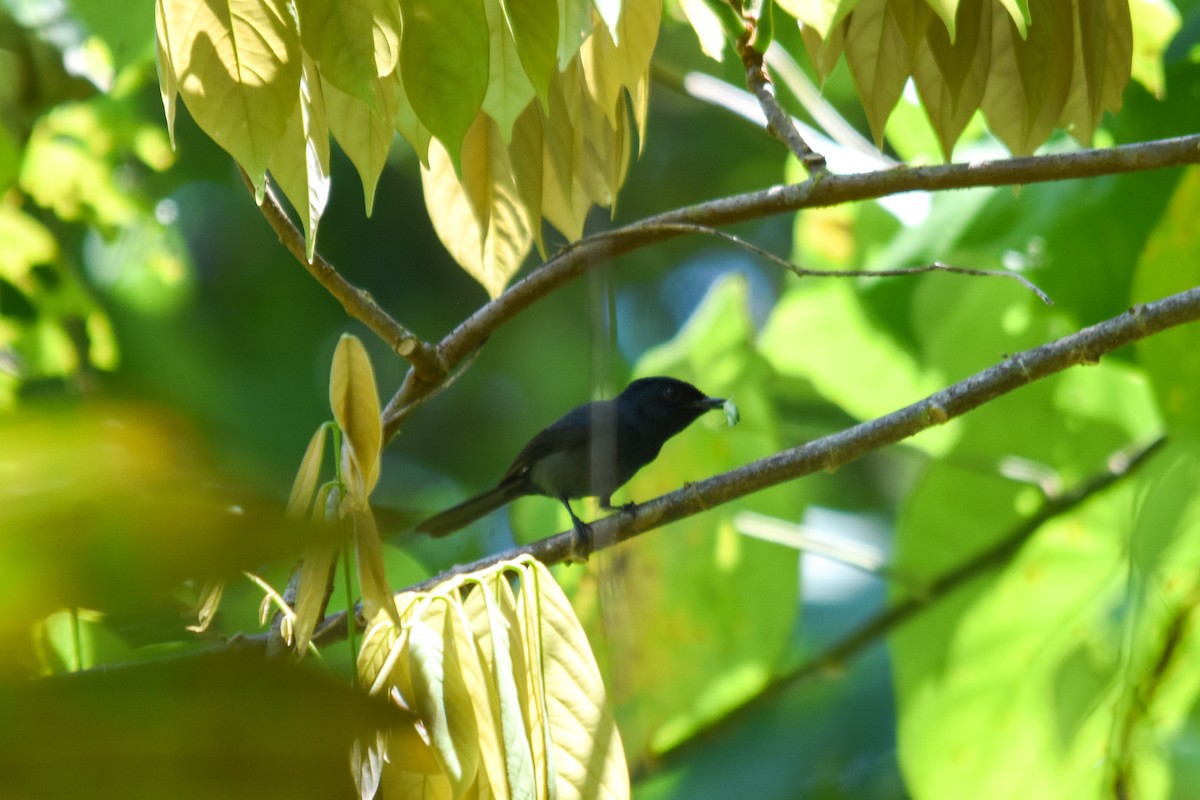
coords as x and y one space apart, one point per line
358 303
838 449
803 272
779 122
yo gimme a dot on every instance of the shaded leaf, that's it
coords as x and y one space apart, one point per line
509 89
305 483
951 75
534 26
574 25
300 161
365 130
353 41
881 42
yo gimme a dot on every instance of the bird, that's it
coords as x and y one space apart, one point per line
591 451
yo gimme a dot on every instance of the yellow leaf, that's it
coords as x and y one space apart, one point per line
237 67
372 577
948 11
166 68
509 89
467 658
1029 78
1102 57
305 483
608 66
379 656
525 653
707 27
300 161
525 159
441 697
312 591
355 403
481 220
590 761
491 631
365 130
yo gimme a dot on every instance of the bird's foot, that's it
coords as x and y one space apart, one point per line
581 543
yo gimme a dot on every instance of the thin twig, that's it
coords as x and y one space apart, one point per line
998 554
838 449
803 272
358 303
779 122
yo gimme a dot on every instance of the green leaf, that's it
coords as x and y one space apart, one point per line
509 89
952 73
237 67
574 25
1155 23
1170 263
444 65
1103 49
534 27
365 129
354 398
353 41
820 15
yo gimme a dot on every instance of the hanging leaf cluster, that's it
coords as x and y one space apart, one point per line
519 110
510 703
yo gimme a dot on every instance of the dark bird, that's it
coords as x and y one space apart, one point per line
590 452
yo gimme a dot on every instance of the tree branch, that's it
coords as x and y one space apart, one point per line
838 449
779 122
941 587
593 251
357 302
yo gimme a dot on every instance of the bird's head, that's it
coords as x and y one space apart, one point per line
672 404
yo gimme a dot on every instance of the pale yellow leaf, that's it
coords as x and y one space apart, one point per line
210 601
481 219
305 482
526 660
237 68
312 591
707 27
355 403
509 90
365 130
491 632
400 782
380 663
440 694
166 68
590 761
466 656
608 67
300 161
1029 78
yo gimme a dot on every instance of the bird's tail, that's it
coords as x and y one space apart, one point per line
471 509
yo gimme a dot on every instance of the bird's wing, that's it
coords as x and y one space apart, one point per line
571 431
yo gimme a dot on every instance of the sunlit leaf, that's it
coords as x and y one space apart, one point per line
444 65
237 68
1155 23
300 161
355 403
313 591
354 42
590 761
305 483
574 24
409 126
820 15
481 219
824 52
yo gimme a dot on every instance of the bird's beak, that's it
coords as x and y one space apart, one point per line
709 403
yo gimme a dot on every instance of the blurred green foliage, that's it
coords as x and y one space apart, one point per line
131 273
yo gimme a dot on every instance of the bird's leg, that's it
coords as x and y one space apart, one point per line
581 547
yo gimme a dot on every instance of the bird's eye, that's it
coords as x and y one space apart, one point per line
670 393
